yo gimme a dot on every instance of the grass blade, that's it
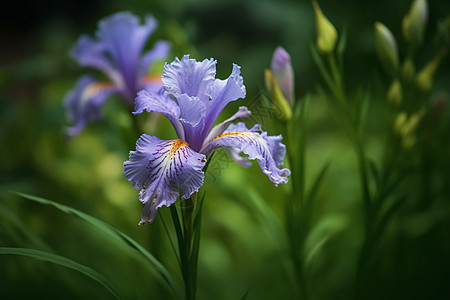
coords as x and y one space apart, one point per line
110 230
312 193
62 261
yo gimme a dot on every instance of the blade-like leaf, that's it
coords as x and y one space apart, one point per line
342 44
245 295
363 109
111 231
7 214
62 261
312 193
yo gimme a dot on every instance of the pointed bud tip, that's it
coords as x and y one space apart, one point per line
326 33
281 58
414 22
386 48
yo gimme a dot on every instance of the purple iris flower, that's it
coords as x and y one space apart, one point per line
192 99
117 52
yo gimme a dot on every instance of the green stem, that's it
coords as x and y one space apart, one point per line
338 88
185 234
296 214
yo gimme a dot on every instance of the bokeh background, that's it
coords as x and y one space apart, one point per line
240 248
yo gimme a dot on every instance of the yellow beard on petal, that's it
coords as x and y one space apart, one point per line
232 133
176 145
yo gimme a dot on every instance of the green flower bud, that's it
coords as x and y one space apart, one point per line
405 127
386 47
414 22
408 141
413 121
395 93
408 70
399 122
326 33
425 76
281 105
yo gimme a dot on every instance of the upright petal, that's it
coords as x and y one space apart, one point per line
124 39
267 150
187 76
192 111
221 93
157 167
84 102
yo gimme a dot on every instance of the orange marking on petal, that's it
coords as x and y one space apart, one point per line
152 79
230 133
95 87
176 145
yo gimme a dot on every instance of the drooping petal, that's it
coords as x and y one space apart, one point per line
162 103
266 150
124 39
243 112
84 102
235 154
159 51
188 76
157 167
277 149
221 93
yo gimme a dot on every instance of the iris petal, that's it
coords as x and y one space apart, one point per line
159 51
90 53
268 151
124 39
160 102
243 112
157 167
188 76
84 102
221 93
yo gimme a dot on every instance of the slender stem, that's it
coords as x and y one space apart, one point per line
187 238
184 252
344 115
296 214
338 84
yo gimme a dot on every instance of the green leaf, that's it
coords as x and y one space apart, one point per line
196 242
7 214
116 234
312 193
363 109
327 227
245 295
265 214
342 44
62 261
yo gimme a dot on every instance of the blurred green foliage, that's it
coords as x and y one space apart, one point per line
242 249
